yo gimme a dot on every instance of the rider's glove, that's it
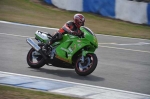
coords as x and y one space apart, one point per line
49 34
74 33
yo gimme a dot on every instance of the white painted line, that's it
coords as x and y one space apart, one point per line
107 43
6 22
124 49
4 75
138 43
15 35
13 23
99 43
97 93
122 37
104 88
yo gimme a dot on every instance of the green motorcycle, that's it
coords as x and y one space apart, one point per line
70 52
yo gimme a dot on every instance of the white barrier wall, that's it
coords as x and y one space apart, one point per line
135 12
74 5
132 11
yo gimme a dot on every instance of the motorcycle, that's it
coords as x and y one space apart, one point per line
70 52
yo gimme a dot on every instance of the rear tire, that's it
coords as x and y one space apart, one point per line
89 65
40 62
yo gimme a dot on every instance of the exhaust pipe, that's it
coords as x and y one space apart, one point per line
33 44
36 47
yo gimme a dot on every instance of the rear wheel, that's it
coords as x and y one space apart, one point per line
89 65
34 59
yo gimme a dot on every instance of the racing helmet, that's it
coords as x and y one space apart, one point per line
79 20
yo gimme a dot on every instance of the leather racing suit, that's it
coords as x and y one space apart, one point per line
69 27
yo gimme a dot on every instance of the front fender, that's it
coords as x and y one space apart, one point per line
84 53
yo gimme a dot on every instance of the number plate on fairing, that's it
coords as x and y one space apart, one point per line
41 36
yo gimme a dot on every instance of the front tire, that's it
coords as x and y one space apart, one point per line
35 61
89 65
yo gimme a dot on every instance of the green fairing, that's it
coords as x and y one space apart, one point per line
41 39
70 44
89 35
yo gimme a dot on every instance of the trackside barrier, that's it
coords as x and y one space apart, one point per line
48 1
102 7
148 13
132 11
135 12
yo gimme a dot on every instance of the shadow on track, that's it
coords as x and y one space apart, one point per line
68 73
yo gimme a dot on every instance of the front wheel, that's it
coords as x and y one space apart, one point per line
89 65
34 59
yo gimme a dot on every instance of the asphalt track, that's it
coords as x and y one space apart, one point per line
123 63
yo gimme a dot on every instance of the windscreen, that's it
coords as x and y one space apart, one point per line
86 28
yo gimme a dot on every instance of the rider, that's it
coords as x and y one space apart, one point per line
70 27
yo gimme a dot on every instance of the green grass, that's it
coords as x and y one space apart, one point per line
36 12
7 92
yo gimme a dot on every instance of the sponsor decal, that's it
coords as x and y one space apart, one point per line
70 50
78 41
69 55
56 42
95 40
79 45
64 49
71 36
73 47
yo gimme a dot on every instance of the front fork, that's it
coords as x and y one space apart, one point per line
84 53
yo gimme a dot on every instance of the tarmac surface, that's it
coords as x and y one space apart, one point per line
123 63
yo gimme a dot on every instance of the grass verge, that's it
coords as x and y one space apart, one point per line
36 12
7 92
